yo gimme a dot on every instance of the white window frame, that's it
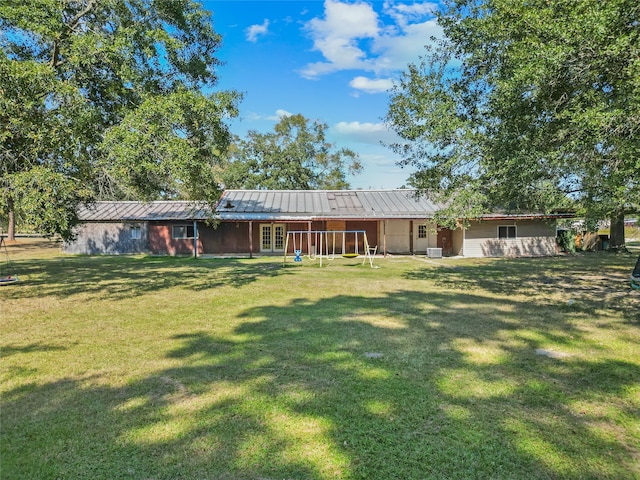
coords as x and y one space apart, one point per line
509 229
423 231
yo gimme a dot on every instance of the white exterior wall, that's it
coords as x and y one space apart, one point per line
533 238
397 236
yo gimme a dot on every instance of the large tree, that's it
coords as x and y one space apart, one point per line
103 99
295 156
527 106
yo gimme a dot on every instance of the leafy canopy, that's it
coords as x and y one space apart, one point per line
295 156
526 106
104 100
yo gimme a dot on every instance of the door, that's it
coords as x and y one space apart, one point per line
272 237
445 236
421 238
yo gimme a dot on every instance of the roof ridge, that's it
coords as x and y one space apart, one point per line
321 190
145 202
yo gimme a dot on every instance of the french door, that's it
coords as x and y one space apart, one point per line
272 236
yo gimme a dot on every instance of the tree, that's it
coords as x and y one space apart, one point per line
527 106
103 99
296 156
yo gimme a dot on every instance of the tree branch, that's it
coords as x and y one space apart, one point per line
74 22
55 55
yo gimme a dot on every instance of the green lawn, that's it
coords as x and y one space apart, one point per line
174 368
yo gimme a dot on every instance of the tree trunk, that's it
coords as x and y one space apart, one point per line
11 229
616 235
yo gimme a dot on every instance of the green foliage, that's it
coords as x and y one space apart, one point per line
169 147
295 156
48 199
567 241
526 106
106 98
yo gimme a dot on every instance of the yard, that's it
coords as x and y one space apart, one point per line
174 368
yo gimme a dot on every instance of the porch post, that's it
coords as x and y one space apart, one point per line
195 239
384 237
411 226
250 239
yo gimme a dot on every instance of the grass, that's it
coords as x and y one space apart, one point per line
173 368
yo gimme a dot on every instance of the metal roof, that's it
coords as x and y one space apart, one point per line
320 204
159 210
283 205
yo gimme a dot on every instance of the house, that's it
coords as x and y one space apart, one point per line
162 228
256 222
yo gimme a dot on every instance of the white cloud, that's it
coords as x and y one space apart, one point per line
368 85
337 36
352 36
279 114
372 133
404 13
254 31
397 51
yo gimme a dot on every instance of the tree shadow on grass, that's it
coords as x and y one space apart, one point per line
11 349
404 385
121 277
585 283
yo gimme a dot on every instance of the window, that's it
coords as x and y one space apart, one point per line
182 231
507 231
136 233
422 231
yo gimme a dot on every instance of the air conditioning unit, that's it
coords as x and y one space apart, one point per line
434 252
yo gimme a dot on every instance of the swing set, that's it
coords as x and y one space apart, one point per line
7 272
319 244
635 276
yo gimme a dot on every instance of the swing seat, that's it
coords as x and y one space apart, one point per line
350 255
9 280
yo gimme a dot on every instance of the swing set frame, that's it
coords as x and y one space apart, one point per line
635 276
324 245
8 277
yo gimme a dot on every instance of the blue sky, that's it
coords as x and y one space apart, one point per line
331 60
